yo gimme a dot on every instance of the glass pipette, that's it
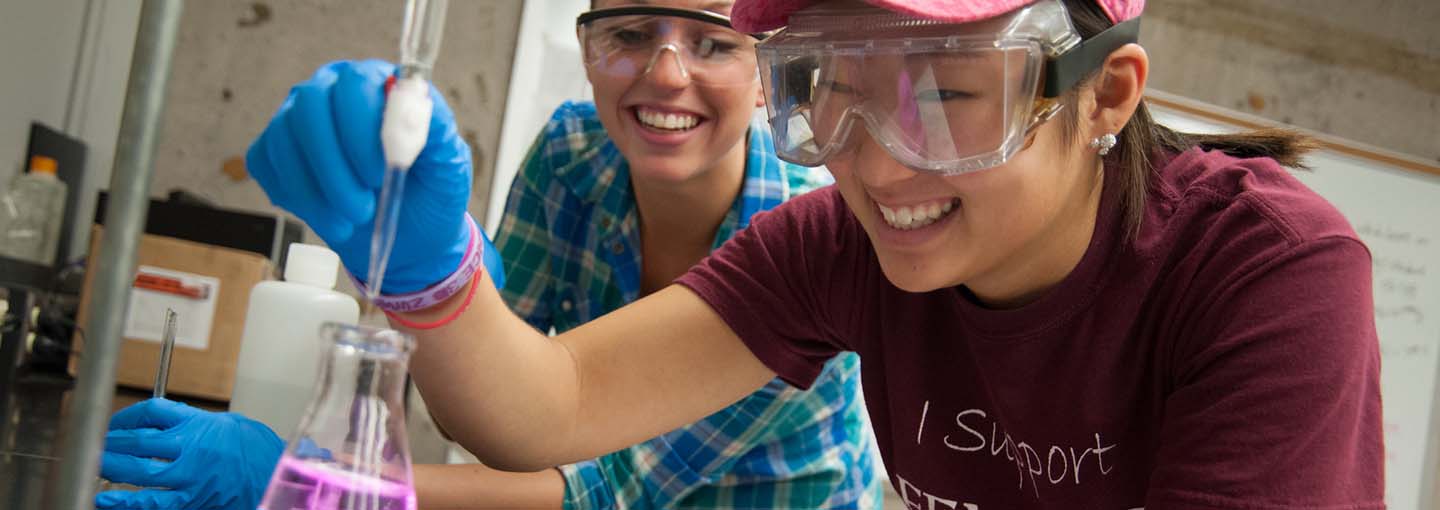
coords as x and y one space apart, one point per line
406 125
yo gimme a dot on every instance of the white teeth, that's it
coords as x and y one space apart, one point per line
913 217
661 120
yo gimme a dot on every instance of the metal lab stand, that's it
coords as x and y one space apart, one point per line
109 294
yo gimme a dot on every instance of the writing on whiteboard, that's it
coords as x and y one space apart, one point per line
1400 272
1403 318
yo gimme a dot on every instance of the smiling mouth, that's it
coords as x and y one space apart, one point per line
915 216
670 122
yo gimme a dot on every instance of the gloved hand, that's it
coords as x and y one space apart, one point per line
209 460
321 159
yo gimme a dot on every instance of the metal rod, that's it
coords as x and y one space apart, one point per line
167 345
125 218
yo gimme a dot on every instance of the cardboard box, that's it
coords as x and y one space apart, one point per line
194 277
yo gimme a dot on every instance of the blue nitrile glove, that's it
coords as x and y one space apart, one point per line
190 458
321 159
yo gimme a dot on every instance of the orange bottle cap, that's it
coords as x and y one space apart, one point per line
42 164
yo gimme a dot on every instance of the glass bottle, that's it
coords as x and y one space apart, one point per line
350 452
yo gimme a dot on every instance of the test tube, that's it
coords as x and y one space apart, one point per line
167 345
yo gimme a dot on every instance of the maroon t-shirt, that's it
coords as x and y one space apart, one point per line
1226 358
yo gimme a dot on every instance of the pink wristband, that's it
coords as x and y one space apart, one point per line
439 292
464 305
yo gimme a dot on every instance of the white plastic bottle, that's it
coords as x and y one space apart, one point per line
280 347
31 213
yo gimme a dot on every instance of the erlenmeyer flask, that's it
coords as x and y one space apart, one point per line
350 452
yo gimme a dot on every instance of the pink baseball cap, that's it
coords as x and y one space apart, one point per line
756 16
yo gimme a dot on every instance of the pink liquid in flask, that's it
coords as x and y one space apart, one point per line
300 485
349 452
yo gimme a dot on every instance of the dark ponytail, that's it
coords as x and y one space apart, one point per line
1142 138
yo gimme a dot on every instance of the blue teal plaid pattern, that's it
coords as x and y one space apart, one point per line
570 240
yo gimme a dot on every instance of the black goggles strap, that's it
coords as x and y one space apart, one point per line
1066 70
705 16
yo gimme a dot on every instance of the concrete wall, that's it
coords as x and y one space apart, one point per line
1368 71
235 62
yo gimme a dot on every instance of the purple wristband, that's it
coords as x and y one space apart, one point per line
439 292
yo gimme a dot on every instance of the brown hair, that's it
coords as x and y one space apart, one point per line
1142 138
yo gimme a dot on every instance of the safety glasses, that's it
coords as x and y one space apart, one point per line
626 42
941 98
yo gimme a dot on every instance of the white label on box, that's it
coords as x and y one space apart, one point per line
192 296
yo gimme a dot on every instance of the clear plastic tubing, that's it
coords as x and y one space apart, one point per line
406 125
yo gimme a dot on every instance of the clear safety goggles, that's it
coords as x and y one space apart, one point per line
626 42
939 97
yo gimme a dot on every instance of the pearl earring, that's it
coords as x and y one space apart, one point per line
1104 143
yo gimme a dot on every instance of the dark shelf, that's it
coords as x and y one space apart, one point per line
23 274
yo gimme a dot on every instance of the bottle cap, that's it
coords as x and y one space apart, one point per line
42 165
311 265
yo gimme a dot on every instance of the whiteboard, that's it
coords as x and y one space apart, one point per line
1393 201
